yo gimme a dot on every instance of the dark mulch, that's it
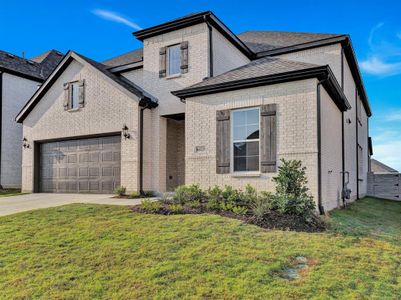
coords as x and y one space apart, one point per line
272 220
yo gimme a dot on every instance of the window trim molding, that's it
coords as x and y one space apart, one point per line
178 74
234 173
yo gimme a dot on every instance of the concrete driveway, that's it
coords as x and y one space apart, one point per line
15 204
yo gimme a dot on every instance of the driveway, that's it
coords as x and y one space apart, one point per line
15 204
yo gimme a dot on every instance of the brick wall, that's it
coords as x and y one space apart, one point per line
297 131
16 92
107 108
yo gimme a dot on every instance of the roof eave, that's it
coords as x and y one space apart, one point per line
199 18
322 73
21 74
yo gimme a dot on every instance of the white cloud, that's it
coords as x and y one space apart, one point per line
388 153
376 66
372 33
394 116
115 17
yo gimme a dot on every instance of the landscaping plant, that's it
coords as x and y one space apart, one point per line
120 190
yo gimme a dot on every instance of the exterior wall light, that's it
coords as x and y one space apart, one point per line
125 132
25 143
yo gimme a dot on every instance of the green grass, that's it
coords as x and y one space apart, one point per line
108 252
9 192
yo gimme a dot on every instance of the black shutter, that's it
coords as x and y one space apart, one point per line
268 138
162 62
184 57
223 141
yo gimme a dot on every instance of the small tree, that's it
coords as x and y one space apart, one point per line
291 179
292 194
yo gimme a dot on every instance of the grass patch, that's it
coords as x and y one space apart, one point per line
9 192
107 252
370 217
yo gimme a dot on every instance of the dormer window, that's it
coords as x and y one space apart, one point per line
173 60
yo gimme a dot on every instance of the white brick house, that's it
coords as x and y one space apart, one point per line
19 79
199 104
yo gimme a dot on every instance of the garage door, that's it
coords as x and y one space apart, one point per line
80 166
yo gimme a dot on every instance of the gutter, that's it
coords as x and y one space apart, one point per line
319 144
1 120
141 191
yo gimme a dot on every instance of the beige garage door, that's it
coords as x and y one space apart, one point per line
80 166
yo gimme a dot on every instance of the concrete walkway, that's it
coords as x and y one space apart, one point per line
15 204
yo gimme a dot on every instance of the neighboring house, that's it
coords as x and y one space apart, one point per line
378 167
19 79
200 104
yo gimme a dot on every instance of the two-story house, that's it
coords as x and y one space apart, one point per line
19 79
200 104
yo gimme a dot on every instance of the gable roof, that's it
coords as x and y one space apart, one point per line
264 71
379 167
144 98
193 19
259 41
37 69
124 59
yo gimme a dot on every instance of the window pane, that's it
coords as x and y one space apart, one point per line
240 133
252 116
239 118
252 132
74 96
252 163
174 60
252 148
239 164
239 149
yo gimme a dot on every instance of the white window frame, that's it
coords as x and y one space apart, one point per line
232 141
71 101
168 60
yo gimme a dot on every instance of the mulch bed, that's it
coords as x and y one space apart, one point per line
272 220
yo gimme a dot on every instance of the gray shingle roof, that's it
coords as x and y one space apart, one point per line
127 58
261 67
39 67
259 41
121 80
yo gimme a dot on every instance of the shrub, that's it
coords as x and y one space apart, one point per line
194 204
292 194
213 204
167 198
250 196
176 208
239 210
148 194
151 206
120 190
231 195
184 194
261 205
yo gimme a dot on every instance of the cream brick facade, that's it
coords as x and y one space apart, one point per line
106 109
297 132
16 92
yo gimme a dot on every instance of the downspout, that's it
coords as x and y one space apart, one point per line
342 130
210 29
1 120
141 191
319 146
357 143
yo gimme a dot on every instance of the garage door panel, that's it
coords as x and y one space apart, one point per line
86 165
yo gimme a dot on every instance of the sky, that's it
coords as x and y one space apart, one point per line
103 29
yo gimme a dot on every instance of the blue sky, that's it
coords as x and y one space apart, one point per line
102 29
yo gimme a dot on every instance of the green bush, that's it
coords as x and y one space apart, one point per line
292 195
176 208
148 194
187 193
239 210
194 204
262 205
151 206
120 191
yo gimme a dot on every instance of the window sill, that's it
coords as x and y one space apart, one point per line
246 174
74 109
173 76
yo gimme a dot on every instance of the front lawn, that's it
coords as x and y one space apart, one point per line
99 251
